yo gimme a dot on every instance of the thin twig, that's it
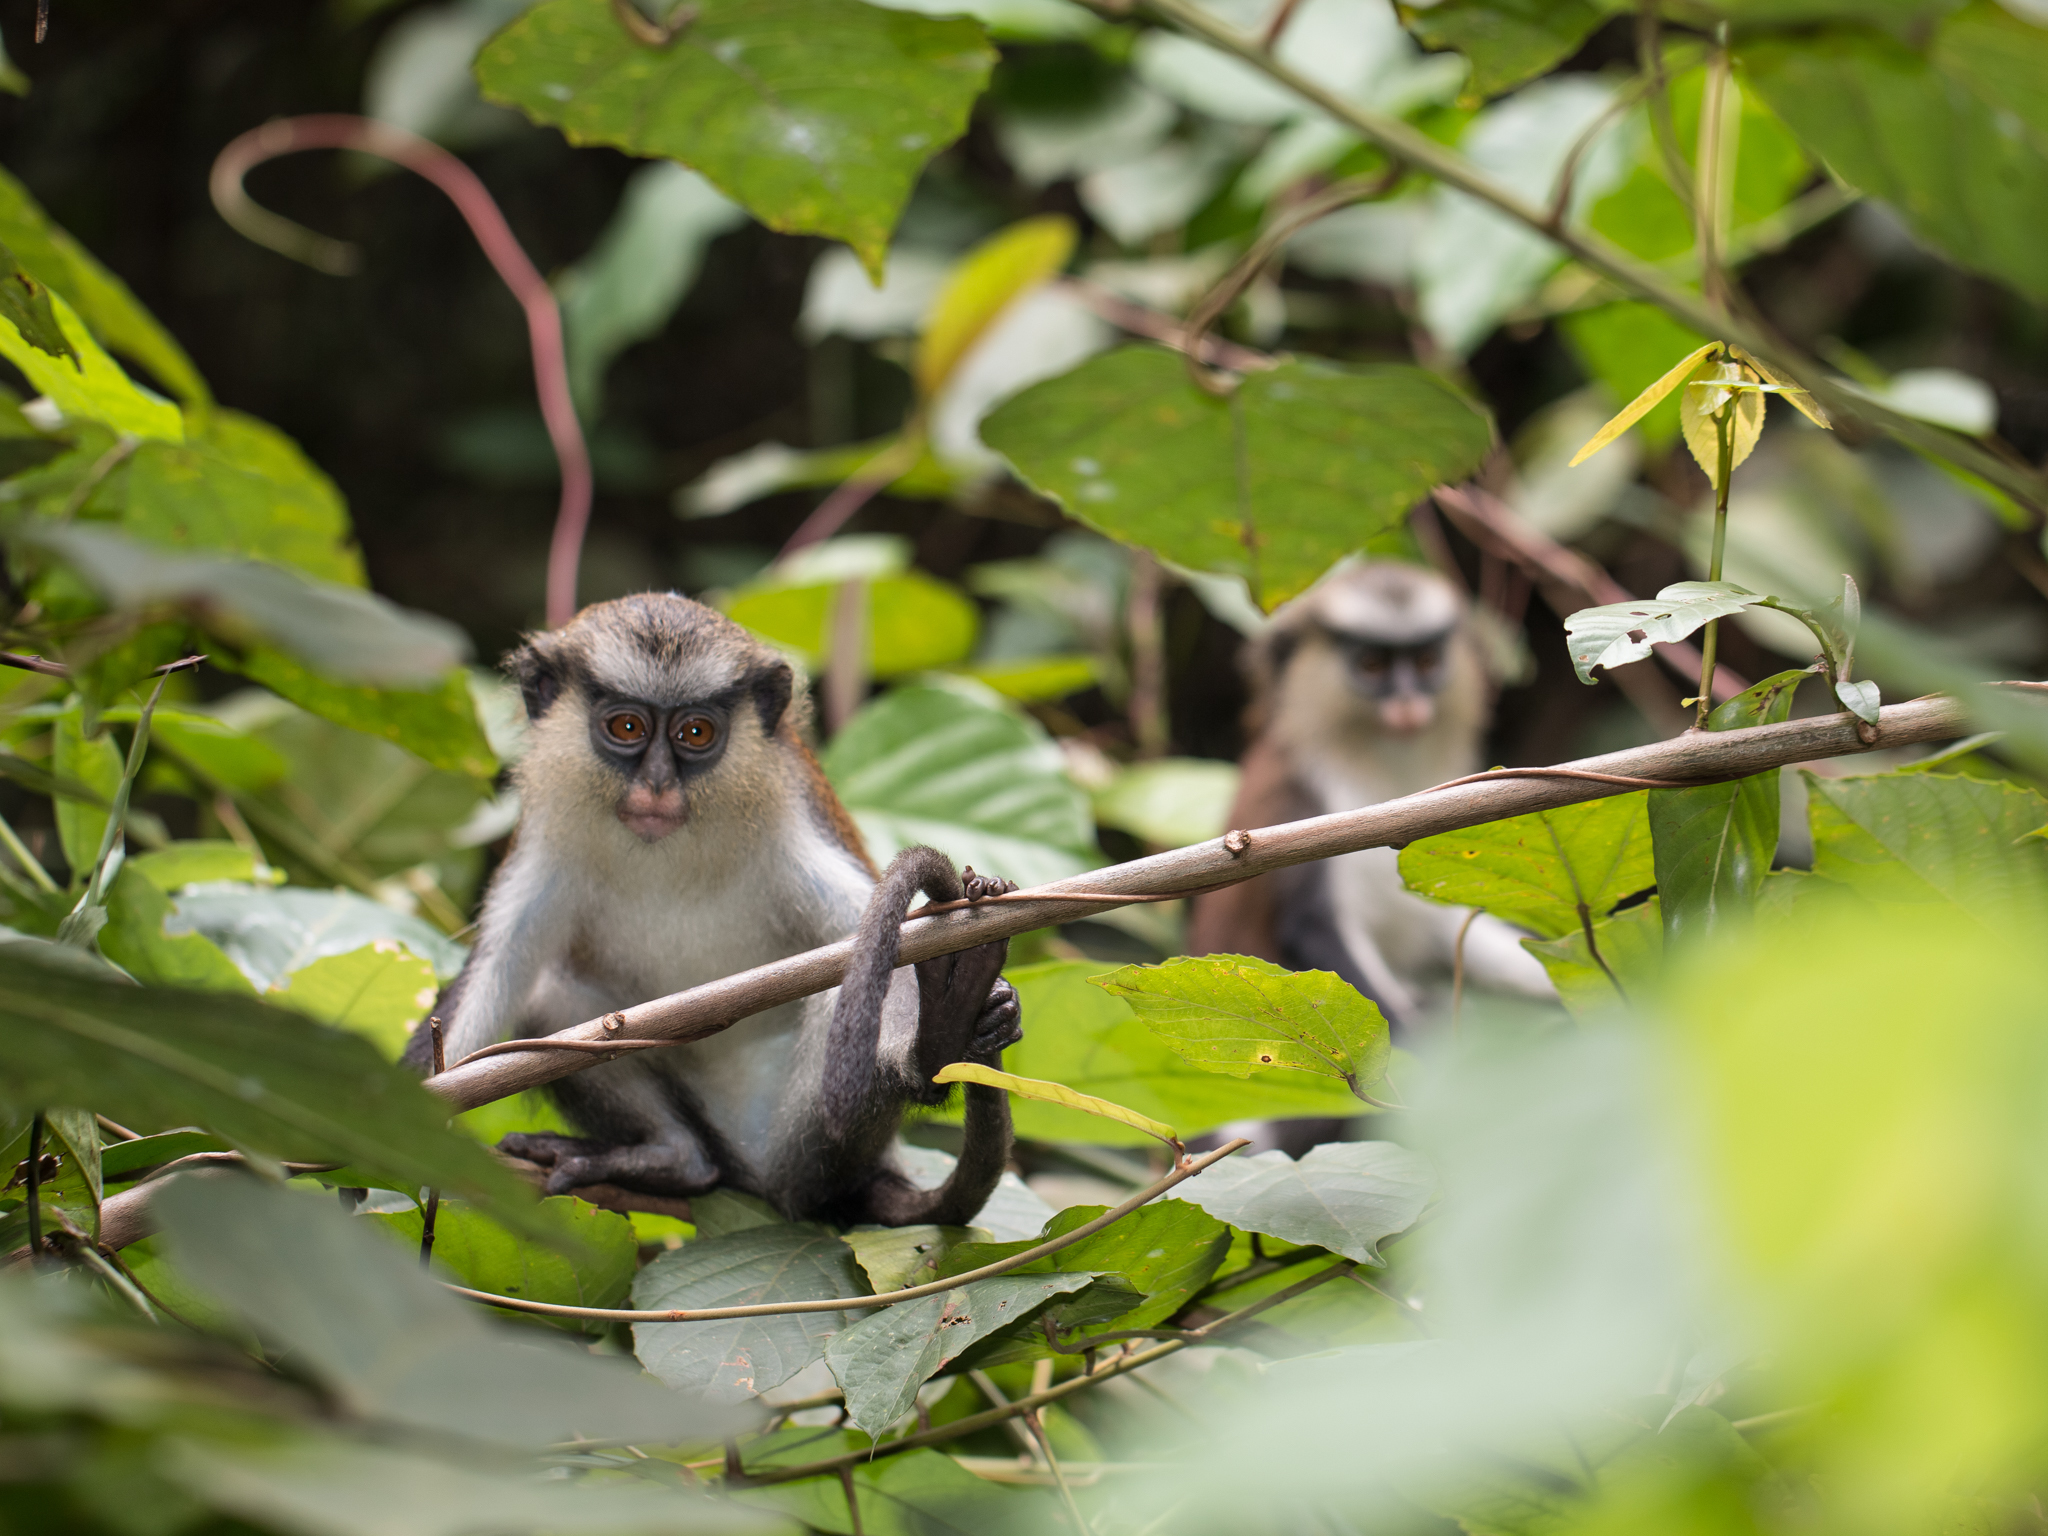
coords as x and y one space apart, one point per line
885 1299
50 668
432 1208
1458 967
119 1131
1036 1425
338 130
985 1384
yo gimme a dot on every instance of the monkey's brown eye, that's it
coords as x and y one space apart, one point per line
696 732
628 730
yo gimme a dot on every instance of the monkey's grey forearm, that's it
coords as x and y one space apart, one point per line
1693 757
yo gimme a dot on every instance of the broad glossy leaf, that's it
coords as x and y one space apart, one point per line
737 1358
1038 679
1303 464
884 1358
1632 944
1053 1093
379 991
179 864
1941 137
356 1312
1344 1195
1092 1041
979 782
982 286
270 931
436 724
590 1262
817 115
915 622
1170 801
136 939
917 1493
1235 1014
1537 871
60 263
1619 633
1506 41
1713 846
95 762
90 386
262 1076
896 1258
1932 839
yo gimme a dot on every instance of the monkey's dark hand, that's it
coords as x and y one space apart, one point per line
998 1026
655 1168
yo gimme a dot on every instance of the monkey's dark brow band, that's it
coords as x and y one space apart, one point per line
1187 1170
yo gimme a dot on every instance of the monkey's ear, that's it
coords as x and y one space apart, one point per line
540 682
773 685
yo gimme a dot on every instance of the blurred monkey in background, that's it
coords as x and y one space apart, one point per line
1367 687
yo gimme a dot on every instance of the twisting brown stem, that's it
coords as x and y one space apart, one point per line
338 130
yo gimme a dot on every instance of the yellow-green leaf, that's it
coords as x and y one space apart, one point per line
379 991
92 387
1801 401
989 278
1706 395
1643 404
1055 1093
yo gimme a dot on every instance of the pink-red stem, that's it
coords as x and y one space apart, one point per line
341 130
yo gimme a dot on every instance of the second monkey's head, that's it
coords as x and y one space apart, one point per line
651 709
1382 643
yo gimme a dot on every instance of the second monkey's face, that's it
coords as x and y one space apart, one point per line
656 751
1399 679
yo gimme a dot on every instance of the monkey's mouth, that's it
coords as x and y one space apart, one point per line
651 815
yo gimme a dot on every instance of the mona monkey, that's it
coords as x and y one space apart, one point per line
1367 687
675 828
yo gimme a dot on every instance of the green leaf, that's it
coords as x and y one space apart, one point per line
1544 870
1054 1093
438 725
1507 41
25 305
88 385
917 1493
1037 679
1938 136
379 992
1861 699
915 622
982 784
1235 1014
95 762
61 264
1305 463
270 932
896 1258
1170 801
264 1077
135 939
75 1135
589 1261
127 1159
1631 942
179 864
1933 839
220 751
986 282
884 1358
1345 1196
1619 633
1713 846
1100 1046
359 1316
743 1356
68 1197
817 115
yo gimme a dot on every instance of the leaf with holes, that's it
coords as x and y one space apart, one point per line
882 1360
1236 1014
739 1357
1345 1196
817 115
1539 871
1619 633
1713 845
1303 464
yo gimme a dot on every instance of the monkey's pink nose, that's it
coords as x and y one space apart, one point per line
651 815
1407 713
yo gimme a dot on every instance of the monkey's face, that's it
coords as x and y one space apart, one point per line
654 752
1399 681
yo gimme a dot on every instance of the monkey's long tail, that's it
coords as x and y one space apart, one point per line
855 1037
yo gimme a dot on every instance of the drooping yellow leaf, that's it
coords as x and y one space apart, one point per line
1801 401
1643 404
989 278
1719 387
1056 1093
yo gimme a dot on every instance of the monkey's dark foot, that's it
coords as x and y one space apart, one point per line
981 887
998 1026
652 1167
